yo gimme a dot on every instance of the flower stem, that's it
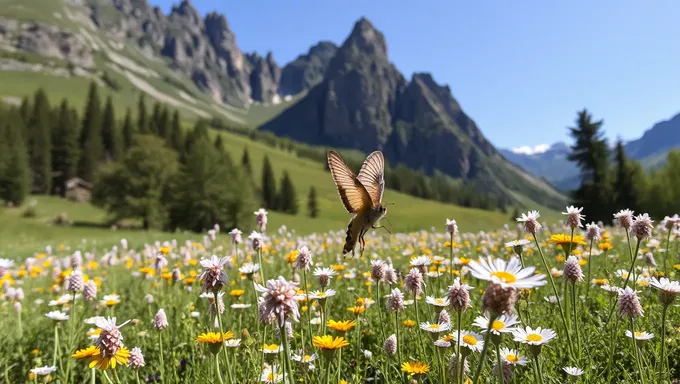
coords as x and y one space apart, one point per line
459 360
453 277
56 345
665 254
136 377
633 258
499 364
480 364
223 349
259 258
108 379
309 308
377 302
557 296
612 344
115 376
420 336
217 368
636 350
539 373
396 318
662 371
93 378
286 351
576 323
590 264
160 345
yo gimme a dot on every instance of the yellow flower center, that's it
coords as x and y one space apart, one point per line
439 301
469 339
321 294
434 326
497 325
638 334
534 337
307 358
506 277
512 358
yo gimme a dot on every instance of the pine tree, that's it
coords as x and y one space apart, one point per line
65 147
287 198
219 144
164 128
110 136
245 162
154 123
208 191
26 111
176 134
40 144
269 195
15 176
92 147
312 205
624 181
142 121
128 130
590 152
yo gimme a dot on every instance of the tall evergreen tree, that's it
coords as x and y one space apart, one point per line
40 143
26 111
176 134
15 173
91 144
590 152
155 121
164 128
624 182
269 196
207 192
312 204
65 147
245 162
142 120
287 198
128 130
110 135
219 144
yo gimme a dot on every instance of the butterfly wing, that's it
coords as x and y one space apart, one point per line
372 176
352 192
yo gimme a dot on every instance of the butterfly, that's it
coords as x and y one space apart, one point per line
361 195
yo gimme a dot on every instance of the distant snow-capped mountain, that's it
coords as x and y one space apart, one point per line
550 161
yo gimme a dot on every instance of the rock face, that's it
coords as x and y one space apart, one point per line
364 102
265 77
50 41
307 70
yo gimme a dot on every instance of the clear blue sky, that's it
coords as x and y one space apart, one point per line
520 69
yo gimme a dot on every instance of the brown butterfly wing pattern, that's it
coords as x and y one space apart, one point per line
352 192
372 176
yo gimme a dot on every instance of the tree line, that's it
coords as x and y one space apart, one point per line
144 166
611 181
437 187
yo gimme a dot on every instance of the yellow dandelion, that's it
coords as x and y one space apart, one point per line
341 326
357 309
415 368
327 342
409 323
103 363
236 292
214 337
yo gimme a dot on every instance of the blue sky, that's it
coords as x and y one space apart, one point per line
520 69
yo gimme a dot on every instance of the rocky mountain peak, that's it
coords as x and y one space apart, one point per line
365 38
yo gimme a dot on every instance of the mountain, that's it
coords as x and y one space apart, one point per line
551 163
365 103
350 96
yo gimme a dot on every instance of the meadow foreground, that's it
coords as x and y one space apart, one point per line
549 304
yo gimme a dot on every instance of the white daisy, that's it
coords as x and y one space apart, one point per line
421 261
249 268
271 375
435 327
517 243
640 335
241 306
512 357
573 371
472 341
329 272
302 358
320 295
43 371
94 319
536 336
57 316
232 343
503 324
510 274
666 285
437 302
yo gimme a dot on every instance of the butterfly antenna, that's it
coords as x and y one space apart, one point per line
393 203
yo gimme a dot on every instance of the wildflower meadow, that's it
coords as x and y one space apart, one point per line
537 303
